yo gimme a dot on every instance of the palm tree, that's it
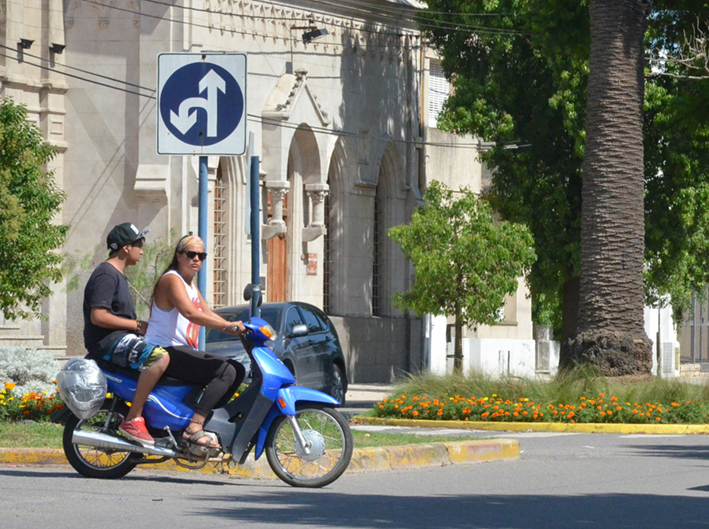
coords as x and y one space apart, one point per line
610 332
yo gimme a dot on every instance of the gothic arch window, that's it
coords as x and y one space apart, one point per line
340 172
229 273
383 219
219 249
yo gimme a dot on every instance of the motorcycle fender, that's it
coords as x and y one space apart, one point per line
285 404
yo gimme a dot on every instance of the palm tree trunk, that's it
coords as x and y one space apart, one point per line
611 333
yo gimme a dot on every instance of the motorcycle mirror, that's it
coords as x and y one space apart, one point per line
249 293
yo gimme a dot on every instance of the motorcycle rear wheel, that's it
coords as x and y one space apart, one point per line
94 462
331 450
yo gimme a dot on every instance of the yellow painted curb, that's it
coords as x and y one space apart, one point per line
32 456
363 460
541 426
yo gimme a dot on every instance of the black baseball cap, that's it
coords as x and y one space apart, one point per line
123 235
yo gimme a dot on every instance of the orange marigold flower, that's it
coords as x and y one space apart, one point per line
484 415
603 414
26 412
10 385
619 408
609 412
415 399
440 412
659 419
601 395
570 414
396 406
416 414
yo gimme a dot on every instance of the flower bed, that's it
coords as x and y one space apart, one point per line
597 409
29 406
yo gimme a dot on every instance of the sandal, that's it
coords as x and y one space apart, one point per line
200 435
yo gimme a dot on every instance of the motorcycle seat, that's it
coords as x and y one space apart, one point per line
132 373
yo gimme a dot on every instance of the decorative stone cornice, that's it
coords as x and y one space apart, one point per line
105 9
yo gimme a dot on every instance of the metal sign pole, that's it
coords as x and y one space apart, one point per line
202 231
255 236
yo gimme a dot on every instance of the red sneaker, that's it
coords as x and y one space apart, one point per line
136 430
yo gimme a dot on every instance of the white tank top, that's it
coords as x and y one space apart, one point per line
169 327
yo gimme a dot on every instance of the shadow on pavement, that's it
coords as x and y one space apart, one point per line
675 451
322 509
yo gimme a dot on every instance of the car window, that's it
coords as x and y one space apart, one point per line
214 336
320 315
311 319
292 319
271 315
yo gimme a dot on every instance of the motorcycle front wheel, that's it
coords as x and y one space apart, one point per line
330 450
94 462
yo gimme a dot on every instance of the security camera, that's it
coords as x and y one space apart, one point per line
310 36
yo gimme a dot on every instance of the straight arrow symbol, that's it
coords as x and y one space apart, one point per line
186 116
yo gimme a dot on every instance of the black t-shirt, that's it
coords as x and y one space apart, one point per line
107 288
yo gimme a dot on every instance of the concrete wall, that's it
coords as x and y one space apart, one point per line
380 349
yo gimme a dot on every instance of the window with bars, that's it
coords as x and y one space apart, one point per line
219 247
327 260
376 259
438 92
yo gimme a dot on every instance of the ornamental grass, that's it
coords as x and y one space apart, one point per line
572 397
28 406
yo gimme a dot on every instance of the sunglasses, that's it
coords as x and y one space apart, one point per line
191 255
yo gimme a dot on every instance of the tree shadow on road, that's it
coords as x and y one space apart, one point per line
325 509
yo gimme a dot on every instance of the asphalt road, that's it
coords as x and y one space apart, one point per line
562 481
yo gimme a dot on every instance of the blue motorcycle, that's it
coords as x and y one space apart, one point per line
307 442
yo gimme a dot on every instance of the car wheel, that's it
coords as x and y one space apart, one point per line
337 384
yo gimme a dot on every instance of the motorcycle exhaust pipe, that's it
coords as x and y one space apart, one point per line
101 440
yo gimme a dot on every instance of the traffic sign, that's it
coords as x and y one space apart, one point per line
201 103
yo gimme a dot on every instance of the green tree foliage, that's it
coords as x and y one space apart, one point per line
29 201
520 68
465 261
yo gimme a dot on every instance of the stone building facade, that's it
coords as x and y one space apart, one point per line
340 124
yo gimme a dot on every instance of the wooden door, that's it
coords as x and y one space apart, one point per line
277 259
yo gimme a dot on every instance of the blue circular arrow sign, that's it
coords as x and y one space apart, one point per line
201 104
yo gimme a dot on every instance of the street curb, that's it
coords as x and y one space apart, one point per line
649 429
363 460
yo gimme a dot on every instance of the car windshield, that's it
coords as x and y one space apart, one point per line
271 315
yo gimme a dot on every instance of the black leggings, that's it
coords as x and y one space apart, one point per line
198 367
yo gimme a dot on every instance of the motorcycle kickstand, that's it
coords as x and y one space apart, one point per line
305 445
